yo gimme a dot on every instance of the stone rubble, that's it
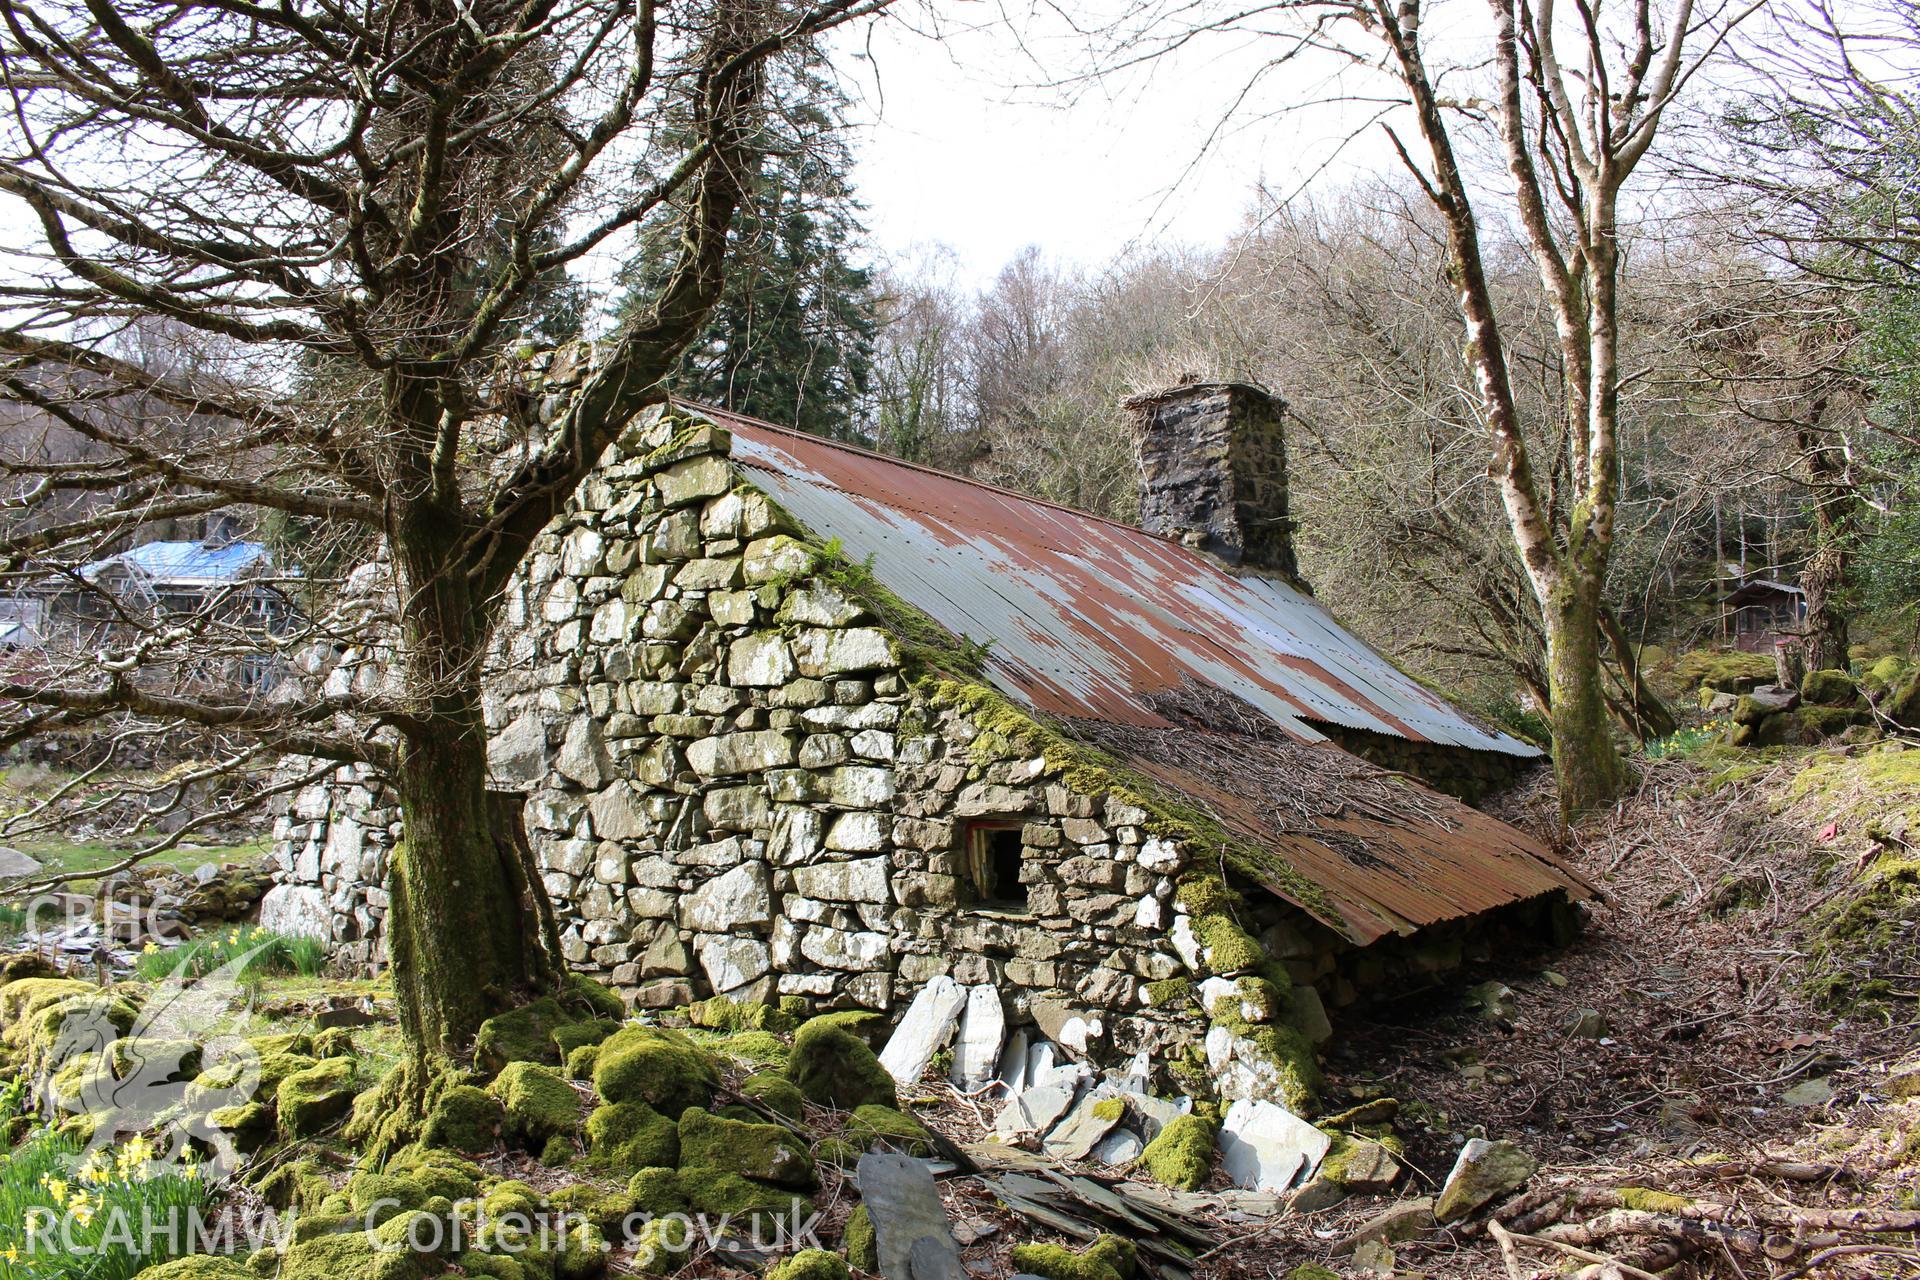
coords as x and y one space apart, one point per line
1265 1147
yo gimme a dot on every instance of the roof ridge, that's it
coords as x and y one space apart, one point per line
924 469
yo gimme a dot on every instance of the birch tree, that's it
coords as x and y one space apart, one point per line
1569 106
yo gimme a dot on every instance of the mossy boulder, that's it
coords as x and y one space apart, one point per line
153 1058
524 1034
334 1042
297 1185
775 1092
810 1264
836 1068
874 1125
666 1071
762 1048
1902 702
250 1124
277 1058
716 1192
361 1255
539 1103
1181 1155
198 1266
582 1061
600 1000
465 1118
1724 671
581 1035
627 1136
607 1208
559 1152
512 1199
582 1254
37 1034
765 1152
1882 675
493 1266
1108 1258
25 964
723 1014
657 1191
864 1023
24 997
1829 688
662 1246
863 1247
310 1100
1806 725
440 1173
377 1197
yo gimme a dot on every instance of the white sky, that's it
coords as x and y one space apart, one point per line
960 142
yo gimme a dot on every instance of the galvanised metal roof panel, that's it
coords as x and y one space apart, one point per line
1087 617
186 562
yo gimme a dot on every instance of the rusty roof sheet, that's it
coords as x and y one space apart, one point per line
1098 623
1087 616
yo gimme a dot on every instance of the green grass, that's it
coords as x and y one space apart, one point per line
100 1208
266 953
65 857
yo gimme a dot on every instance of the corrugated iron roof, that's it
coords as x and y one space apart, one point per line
1095 622
1087 616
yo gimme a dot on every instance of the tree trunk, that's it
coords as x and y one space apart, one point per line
1645 712
464 931
1585 763
1835 509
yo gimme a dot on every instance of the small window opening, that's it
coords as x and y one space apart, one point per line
994 858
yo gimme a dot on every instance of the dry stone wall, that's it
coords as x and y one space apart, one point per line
733 788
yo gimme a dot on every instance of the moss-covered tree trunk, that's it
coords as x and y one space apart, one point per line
1824 579
463 931
1586 764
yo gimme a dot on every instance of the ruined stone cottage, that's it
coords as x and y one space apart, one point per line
796 719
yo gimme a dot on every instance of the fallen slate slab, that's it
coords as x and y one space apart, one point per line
1122 1146
1231 1205
983 1025
1013 1062
1483 1171
1034 1111
1074 1137
910 1232
1265 1147
1157 1113
1368 1168
1402 1221
1319 1192
924 1030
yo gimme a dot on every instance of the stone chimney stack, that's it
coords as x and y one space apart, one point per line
1213 461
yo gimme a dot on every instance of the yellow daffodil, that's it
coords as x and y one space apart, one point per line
151 949
12 1254
56 1187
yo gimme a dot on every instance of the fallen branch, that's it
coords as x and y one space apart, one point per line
1507 1239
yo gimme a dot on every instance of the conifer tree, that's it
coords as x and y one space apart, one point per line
793 335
